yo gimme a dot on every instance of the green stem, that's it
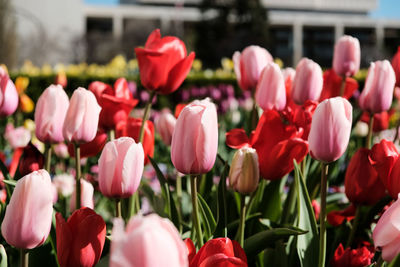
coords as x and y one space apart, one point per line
195 214
24 257
370 129
379 262
356 222
118 208
111 134
179 191
47 153
78 176
146 115
322 233
242 219
343 85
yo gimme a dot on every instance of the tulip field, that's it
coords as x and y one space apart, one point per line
258 166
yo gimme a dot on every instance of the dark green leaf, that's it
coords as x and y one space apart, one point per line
221 229
208 217
272 206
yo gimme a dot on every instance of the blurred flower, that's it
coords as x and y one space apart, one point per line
359 257
17 137
64 183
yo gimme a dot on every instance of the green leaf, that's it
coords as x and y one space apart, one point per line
3 255
272 206
395 262
307 245
208 217
13 183
221 229
266 239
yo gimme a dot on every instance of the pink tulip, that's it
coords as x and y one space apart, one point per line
27 221
64 184
50 112
8 94
87 191
346 57
386 234
82 119
195 138
61 150
330 129
288 73
17 137
147 241
120 167
378 90
165 125
249 65
271 91
307 83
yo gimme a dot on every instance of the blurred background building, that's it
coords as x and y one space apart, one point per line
53 31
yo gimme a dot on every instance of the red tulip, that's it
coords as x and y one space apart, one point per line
116 103
80 240
163 63
337 217
218 252
362 183
31 160
359 257
92 148
332 84
277 143
385 159
131 128
396 65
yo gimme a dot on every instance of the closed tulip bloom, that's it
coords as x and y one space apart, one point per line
346 56
165 125
271 91
64 184
307 83
378 90
82 119
163 63
195 138
27 221
330 129
386 234
147 241
87 191
249 65
50 112
244 173
8 94
362 183
80 240
121 167
61 150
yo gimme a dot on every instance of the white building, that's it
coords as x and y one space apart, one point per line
297 27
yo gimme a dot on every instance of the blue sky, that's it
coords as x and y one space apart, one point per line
386 9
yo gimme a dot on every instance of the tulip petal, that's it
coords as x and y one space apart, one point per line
178 74
64 240
236 138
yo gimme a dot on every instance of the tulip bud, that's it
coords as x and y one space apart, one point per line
330 129
50 112
307 83
378 90
27 221
244 173
80 240
195 138
386 234
82 119
121 167
64 183
346 56
8 94
61 150
165 125
145 237
249 65
271 91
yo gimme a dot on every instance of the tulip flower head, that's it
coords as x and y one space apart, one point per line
244 173
8 94
330 129
163 63
195 138
121 167
165 125
346 56
27 221
249 65
271 91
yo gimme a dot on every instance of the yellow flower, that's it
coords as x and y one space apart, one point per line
26 104
21 83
